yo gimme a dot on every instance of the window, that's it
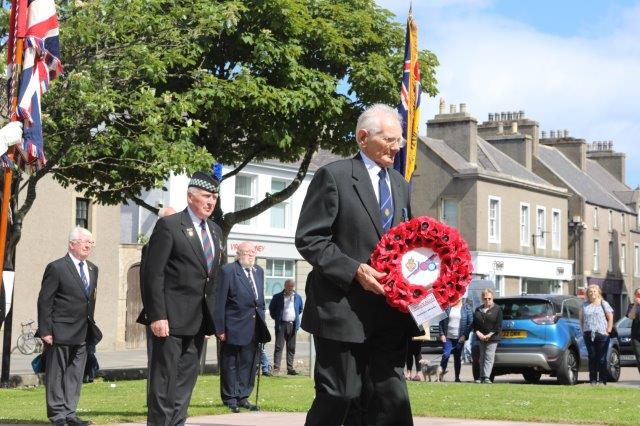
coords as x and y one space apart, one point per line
82 212
636 260
276 273
595 218
541 226
494 219
279 212
610 263
524 224
555 230
610 221
623 258
449 212
623 223
244 195
596 255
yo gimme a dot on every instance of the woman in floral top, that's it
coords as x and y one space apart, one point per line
596 321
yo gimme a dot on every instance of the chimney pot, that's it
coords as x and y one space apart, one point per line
515 115
509 116
610 145
559 133
514 127
503 116
521 114
544 134
463 108
442 106
490 116
500 128
552 134
496 116
599 146
452 109
566 133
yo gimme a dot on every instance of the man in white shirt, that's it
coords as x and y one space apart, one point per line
285 308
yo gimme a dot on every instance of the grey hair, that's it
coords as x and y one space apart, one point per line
370 118
78 232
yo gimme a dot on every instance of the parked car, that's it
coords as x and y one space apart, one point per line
541 334
627 357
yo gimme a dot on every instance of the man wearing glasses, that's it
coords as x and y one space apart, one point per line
349 205
65 324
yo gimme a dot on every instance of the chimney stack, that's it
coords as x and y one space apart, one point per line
514 127
552 134
490 116
500 128
452 109
566 133
543 135
463 108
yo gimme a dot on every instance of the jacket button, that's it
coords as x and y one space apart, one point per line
253 316
207 279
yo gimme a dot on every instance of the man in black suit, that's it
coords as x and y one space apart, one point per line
179 274
65 324
360 340
239 307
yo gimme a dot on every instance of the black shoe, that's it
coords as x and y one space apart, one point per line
249 406
59 423
292 373
77 421
234 408
267 373
458 380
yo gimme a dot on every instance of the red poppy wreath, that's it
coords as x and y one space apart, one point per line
423 256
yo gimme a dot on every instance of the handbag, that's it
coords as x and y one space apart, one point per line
38 364
614 332
262 331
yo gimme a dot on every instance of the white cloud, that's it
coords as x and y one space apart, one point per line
590 86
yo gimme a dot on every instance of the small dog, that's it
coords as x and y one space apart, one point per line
429 370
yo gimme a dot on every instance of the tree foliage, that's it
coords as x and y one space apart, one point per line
155 86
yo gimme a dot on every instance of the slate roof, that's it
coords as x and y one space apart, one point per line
580 182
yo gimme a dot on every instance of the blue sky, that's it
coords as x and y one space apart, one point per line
568 64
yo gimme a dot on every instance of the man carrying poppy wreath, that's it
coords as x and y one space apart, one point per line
360 340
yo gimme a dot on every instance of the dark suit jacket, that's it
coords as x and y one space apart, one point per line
338 228
236 306
276 308
177 285
64 310
142 317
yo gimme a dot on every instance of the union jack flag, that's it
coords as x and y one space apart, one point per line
405 161
33 60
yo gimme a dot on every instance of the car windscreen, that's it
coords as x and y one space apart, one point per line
524 308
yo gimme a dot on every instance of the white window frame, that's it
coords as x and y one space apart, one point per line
610 221
268 276
525 224
596 255
623 223
636 260
541 228
286 205
595 217
556 229
623 258
610 258
496 237
252 197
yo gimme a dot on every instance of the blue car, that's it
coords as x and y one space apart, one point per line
541 335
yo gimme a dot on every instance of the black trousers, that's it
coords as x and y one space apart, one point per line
238 366
597 350
635 343
286 334
361 383
173 370
63 379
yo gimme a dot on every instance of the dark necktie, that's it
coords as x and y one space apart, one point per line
206 245
84 279
386 203
253 283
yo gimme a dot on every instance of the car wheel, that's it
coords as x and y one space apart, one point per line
532 376
613 365
568 371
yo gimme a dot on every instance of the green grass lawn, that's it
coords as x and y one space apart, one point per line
124 401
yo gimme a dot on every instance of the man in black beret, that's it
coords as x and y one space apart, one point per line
180 270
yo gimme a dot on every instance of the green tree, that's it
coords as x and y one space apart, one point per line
159 86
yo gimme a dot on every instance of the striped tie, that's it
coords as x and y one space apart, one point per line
84 279
206 245
386 203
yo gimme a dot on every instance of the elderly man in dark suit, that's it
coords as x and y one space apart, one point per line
239 308
360 341
65 323
179 274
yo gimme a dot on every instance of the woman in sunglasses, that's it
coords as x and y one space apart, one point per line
487 323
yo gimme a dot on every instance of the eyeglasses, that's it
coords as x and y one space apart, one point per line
242 252
85 242
487 298
391 141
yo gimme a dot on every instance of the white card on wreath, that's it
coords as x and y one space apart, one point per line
427 311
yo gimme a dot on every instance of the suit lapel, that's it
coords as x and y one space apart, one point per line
191 234
364 188
74 273
244 279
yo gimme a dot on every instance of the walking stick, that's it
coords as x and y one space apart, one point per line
259 373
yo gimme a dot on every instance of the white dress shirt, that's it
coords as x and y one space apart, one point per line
196 223
373 169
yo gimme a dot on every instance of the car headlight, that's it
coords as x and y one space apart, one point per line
625 339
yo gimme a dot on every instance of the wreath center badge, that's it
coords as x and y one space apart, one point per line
419 257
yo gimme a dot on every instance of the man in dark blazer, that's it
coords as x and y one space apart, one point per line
285 308
360 340
66 306
179 275
239 307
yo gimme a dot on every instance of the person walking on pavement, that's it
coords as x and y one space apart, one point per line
285 308
66 306
634 314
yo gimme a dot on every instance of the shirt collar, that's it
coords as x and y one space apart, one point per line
75 260
371 165
195 219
